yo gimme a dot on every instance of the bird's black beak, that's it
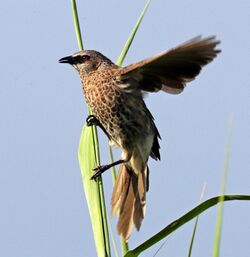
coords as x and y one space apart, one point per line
67 59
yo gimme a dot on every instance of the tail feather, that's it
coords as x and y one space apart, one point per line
129 197
120 190
140 201
125 222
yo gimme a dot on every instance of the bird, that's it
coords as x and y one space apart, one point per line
116 97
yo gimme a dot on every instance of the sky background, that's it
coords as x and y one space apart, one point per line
43 212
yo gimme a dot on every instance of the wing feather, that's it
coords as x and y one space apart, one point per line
171 70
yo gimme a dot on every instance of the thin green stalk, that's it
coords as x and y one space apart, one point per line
125 246
93 191
111 159
113 237
77 25
183 220
101 194
132 35
101 189
195 225
161 246
100 185
219 219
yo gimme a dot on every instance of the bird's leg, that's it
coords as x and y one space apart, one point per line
100 169
93 121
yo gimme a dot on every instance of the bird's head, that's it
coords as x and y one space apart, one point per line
87 61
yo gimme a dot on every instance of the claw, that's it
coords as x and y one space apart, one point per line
102 168
92 120
98 171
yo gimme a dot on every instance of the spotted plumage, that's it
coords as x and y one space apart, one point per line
115 95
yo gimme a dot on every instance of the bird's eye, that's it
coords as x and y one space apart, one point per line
85 58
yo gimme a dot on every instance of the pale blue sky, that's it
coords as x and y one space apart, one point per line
43 210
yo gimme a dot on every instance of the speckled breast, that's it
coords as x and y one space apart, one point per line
123 114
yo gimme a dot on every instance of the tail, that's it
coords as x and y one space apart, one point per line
129 198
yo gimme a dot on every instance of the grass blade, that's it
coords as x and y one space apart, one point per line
113 237
223 189
132 35
89 157
91 188
77 25
195 225
183 220
161 246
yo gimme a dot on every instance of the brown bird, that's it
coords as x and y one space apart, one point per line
115 95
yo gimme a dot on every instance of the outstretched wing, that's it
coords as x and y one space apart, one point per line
171 70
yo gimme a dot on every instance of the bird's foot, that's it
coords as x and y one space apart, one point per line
99 170
92 120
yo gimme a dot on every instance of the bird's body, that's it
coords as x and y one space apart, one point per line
122 113
115 97
130 126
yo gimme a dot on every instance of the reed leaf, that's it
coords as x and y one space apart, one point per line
219 218
183 220
195 225
131 36
92 190
89 157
